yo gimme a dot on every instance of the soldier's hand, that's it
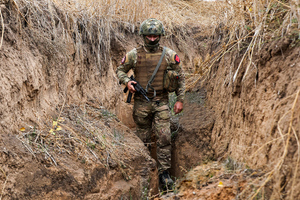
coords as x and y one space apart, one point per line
130 86
178 107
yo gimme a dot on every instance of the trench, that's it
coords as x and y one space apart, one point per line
224 121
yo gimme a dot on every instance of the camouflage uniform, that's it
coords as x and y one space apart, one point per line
153 115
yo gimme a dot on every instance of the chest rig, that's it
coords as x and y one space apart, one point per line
145 66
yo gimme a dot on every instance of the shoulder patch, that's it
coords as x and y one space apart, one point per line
123 60
177 59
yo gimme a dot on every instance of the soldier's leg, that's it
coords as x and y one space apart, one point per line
142 118
163 135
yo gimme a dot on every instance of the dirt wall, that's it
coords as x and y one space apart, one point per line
46 80
253 118
257 115
38 73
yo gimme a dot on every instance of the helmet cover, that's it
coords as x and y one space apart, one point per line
152 27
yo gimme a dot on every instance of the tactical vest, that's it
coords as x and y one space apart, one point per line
145 66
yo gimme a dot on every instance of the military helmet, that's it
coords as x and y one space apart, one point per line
152 27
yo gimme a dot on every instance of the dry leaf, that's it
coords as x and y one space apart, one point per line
58 128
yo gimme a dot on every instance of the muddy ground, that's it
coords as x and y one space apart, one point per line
66 132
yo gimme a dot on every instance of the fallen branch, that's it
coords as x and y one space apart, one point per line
49 155
27 147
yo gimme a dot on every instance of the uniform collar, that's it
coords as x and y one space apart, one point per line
148 50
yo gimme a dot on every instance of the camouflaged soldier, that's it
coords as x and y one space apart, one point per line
153 115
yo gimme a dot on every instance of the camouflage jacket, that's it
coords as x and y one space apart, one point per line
129 62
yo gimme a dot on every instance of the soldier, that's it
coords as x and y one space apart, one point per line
154 115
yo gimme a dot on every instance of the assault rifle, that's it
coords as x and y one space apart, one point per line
138 88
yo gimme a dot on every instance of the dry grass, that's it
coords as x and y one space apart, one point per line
57 24
260 22
97 22
286 140
90 134
248 25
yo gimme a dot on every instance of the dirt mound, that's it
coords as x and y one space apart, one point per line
76 161
214 181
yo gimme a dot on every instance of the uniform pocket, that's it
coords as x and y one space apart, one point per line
171 78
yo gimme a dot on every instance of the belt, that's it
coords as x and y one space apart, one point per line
162 94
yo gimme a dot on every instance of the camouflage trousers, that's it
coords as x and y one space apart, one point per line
154 116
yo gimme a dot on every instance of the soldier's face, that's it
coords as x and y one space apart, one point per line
152 39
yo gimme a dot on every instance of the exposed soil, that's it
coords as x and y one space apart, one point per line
212 181
69 168
66 132
253 120
60 138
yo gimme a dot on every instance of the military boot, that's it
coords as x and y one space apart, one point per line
165 181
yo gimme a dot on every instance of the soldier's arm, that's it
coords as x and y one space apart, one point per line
180 91
175 64
128 62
